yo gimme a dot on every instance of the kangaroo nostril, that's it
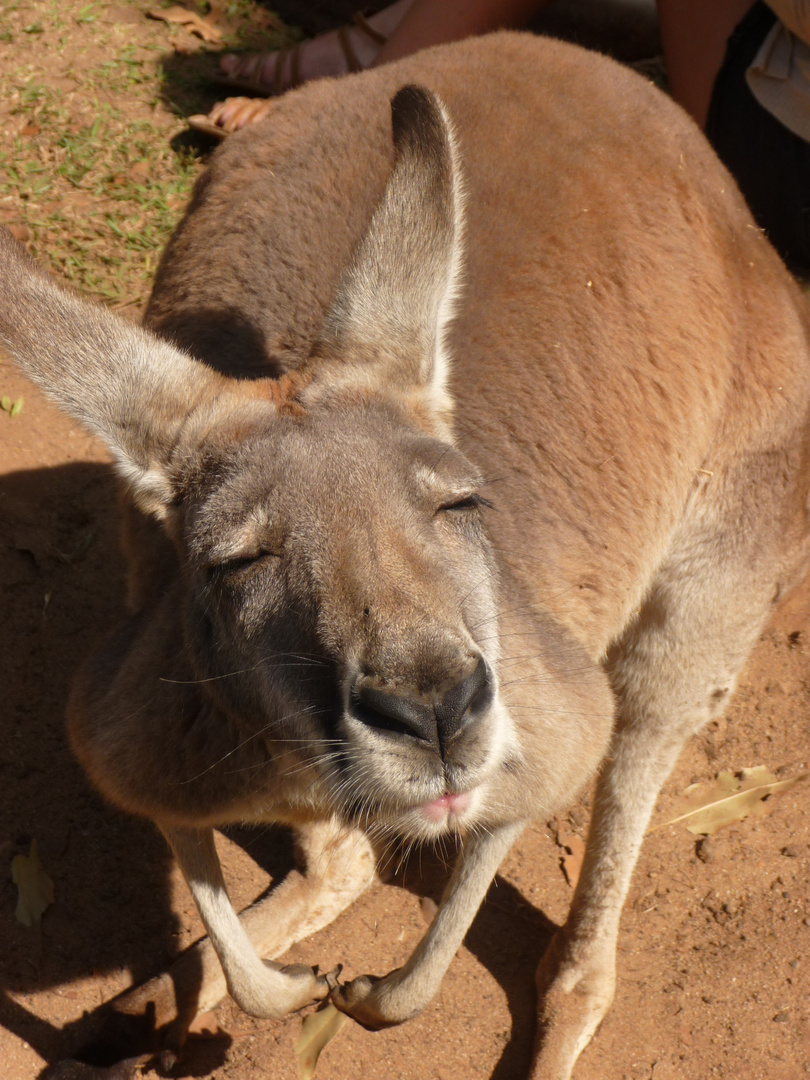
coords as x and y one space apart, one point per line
435 721
390 712
470 696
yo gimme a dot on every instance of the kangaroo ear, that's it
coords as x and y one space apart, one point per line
388 321
121 382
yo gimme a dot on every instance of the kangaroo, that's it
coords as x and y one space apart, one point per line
466 453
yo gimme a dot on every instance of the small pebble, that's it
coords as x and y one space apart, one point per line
703 850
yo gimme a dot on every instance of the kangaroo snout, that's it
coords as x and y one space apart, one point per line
437 717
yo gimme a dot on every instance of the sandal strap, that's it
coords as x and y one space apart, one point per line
349 55
293 54
344 40
295 67
362 23
278 70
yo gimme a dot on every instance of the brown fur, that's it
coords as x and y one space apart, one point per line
328 626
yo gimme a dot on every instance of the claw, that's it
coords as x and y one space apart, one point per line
356 999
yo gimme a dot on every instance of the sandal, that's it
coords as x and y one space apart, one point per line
243 77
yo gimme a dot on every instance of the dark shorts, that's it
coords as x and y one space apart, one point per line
770 163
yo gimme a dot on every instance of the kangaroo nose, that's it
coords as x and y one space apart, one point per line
432 723
463 701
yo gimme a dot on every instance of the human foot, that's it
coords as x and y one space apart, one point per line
350 48
230 115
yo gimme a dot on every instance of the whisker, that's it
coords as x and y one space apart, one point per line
250 738
242 671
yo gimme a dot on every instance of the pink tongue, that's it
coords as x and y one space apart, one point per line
447 804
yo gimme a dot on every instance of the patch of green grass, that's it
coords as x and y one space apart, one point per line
121 74
98 199
88 14
91 180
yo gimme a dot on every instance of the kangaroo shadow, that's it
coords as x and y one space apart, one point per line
508 937
61 577
61 581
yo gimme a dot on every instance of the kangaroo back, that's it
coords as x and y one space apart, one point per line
615 295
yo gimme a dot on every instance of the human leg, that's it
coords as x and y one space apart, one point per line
427 23
335 52
694 35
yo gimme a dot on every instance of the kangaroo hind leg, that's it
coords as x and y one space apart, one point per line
674 670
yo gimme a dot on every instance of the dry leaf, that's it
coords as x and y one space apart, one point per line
730 798
318 1029
34 886
195 23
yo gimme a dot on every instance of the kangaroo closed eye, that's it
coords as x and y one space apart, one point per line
468 502
245 562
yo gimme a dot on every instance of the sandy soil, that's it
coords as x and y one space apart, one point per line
714 957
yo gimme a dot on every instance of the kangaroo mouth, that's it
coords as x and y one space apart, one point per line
447 806
450 813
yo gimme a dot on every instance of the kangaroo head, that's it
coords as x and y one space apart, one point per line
336 559
338 591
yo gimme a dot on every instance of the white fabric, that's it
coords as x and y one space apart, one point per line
779 77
